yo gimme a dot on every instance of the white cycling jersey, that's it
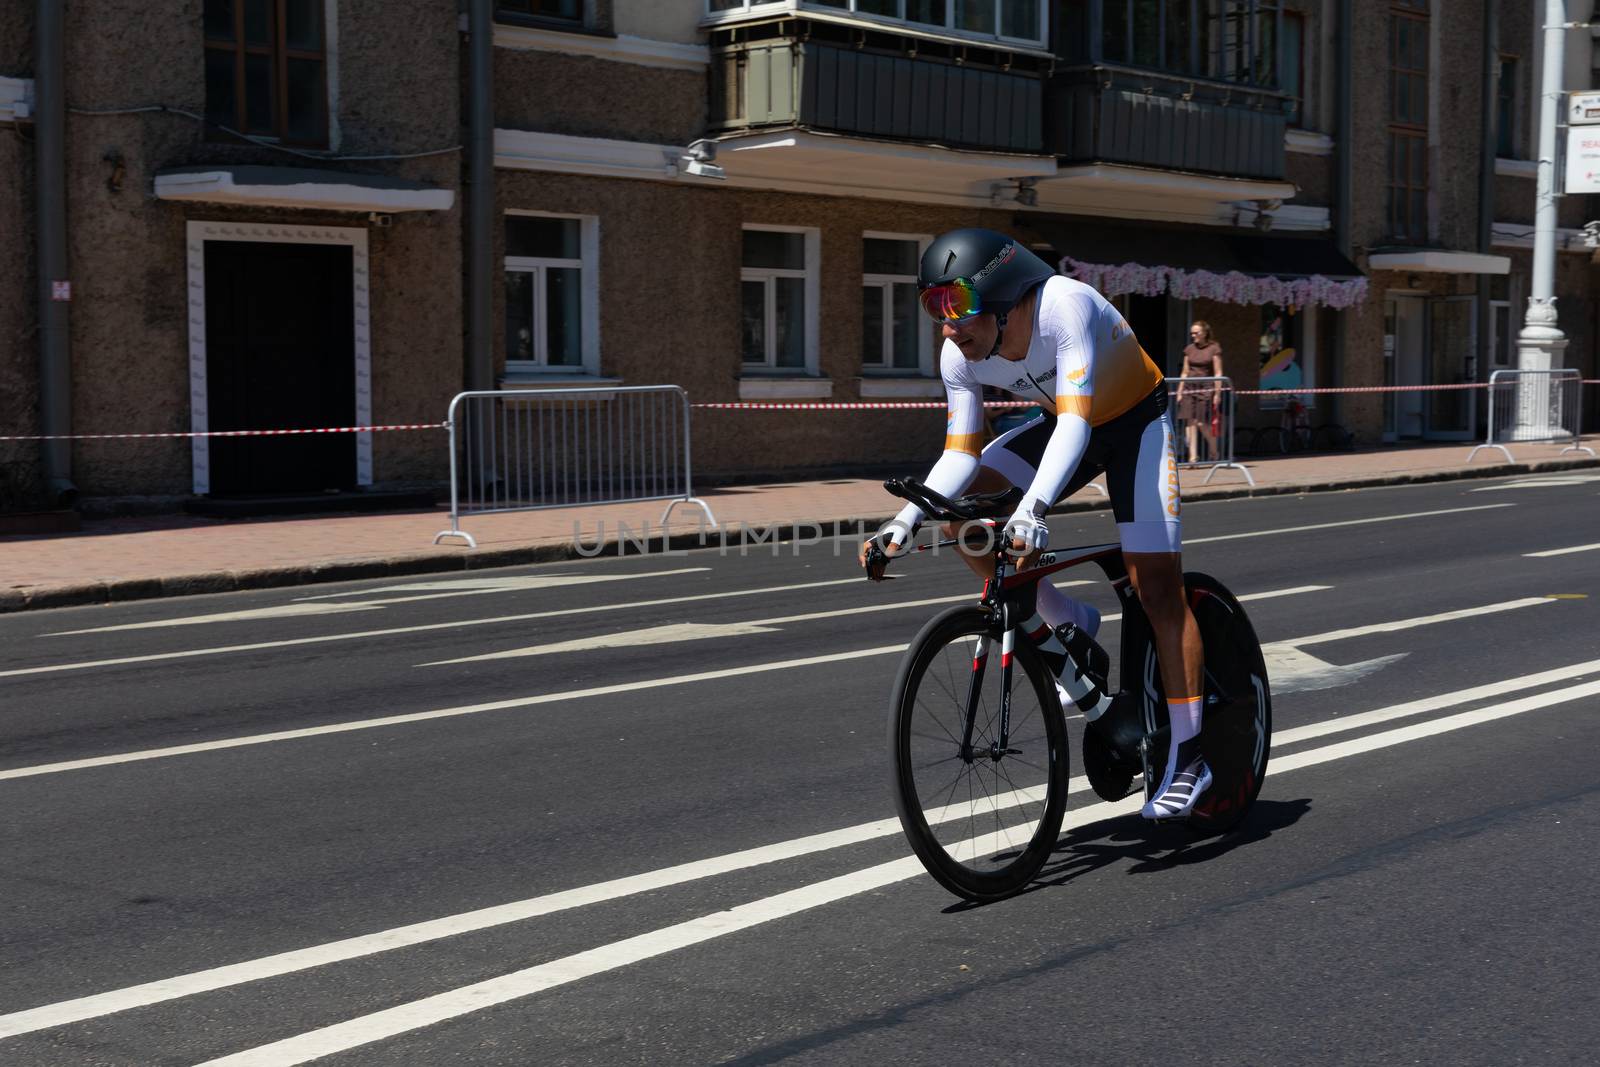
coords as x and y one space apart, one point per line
1084 365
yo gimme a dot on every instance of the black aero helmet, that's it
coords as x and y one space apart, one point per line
968 272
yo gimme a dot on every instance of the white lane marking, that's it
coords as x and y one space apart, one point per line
1423 705
1560 551
471 709
1348 522
139 996
320 606
1292 671
1420 620
704 631
71 1011
1432 727
689 631
1547 482
478 583
650 635
429 1011
442 713
184 985
462 624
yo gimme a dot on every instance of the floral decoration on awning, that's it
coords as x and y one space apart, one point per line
1230 288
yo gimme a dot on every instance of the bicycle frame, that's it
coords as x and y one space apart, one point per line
1010 593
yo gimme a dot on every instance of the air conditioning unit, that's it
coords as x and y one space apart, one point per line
1583 109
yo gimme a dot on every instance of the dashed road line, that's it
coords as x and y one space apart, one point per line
1547 553
421 628
1346 522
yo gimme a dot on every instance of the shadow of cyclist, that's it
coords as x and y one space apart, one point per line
1097 845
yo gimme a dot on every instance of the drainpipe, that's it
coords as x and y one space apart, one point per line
55 354
1345 148
480 202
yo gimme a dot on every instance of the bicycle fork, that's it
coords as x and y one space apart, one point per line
980 661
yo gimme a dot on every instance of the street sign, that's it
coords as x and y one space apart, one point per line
61 291
1583 160
1583 109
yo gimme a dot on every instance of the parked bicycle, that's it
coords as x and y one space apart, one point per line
980 755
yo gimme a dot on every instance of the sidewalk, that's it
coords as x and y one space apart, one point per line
139 558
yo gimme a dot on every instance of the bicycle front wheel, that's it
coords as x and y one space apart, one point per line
981 801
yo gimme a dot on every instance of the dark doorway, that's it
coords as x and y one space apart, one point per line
280 354
1148 317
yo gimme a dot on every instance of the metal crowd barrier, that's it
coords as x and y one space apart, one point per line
1530 406
1219 444
524 449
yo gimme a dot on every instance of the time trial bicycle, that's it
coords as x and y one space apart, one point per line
980 753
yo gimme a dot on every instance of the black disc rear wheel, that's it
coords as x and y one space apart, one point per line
982 817
1236 731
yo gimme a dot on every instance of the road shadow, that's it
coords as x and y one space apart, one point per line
1151 847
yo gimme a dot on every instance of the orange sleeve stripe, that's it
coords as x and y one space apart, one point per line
1074 405
970 443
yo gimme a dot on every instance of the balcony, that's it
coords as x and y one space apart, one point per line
1105 113
822 77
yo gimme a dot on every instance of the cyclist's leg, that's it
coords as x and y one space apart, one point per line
1142 479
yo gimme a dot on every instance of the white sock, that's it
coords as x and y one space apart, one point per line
1057 607
1185 716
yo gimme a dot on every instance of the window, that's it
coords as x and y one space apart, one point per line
1016 20
1408 121
778 299
551 303
1229 40
266 68
1505 114
1504 291
1294 66
539 11
895 335
1241 41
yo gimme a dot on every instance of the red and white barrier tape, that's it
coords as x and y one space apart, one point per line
218 433
912 405
850 405
1390 388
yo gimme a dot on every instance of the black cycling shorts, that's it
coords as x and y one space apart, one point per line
1133 450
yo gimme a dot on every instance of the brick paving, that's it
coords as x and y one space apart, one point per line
135 558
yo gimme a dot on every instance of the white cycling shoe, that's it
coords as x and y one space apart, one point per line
1180 788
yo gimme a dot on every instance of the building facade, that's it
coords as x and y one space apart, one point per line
265 212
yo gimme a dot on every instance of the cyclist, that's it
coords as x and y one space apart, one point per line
1010 321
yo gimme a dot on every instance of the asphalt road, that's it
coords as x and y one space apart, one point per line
637 811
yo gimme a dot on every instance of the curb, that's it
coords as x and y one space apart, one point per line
744 535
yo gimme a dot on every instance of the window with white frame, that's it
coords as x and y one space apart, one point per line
895 336
1013 20
1504 292
778 294
551 300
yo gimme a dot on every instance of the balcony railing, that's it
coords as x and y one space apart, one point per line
878 85
1110 114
